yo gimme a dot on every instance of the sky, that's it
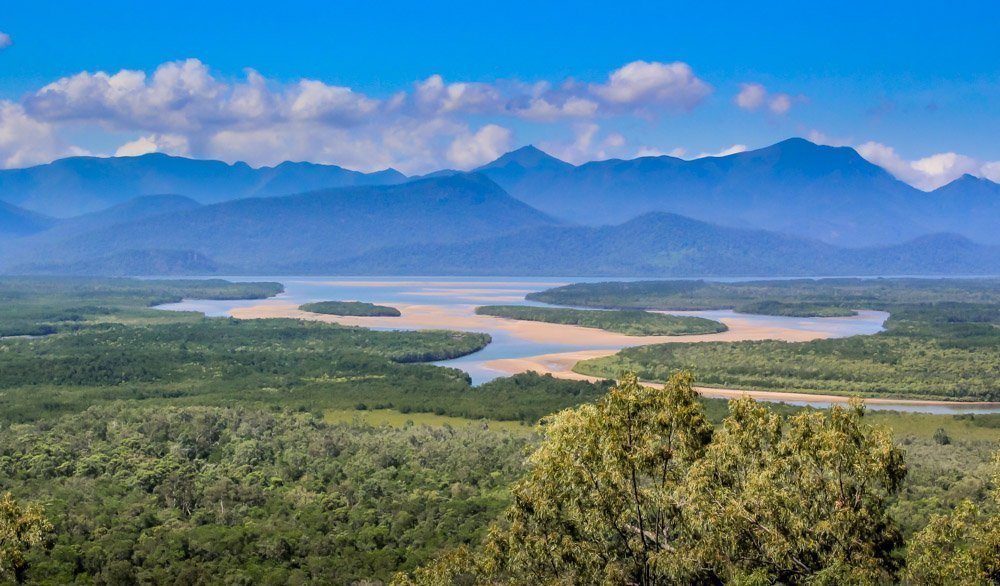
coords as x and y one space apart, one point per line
419 86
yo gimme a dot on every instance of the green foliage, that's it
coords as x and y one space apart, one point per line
932 348
911 359
637 489
218 361
962 547
37 306
21 529
350 308
792 297
234 495
631 323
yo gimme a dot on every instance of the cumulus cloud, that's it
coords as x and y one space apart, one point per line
26 141
643 84
170 144
181 107
589 143
736 148
472 150
752 96
5 40
822 138
780 103
928 172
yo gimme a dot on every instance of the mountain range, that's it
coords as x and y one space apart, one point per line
795 187
794 208
78 185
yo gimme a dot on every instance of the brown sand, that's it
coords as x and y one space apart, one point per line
561 365
463 317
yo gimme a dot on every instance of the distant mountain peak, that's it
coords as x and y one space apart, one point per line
527 157
969 184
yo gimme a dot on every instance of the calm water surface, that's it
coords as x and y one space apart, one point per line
465 293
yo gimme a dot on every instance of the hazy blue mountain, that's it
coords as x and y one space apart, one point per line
131 263
77 185
975 201
794 187
661 245
315 227
56 231
16 221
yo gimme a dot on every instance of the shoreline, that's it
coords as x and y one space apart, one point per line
462 316
560 365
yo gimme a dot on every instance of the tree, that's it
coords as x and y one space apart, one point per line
21 528
796 501
597 505
637 489
960 548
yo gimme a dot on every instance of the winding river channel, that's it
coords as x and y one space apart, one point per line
519 346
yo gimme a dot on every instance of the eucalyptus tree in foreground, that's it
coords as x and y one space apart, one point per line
638 489
21 528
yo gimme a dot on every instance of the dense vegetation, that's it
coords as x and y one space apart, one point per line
631 323
350 308
36 306
941 351
794 297
229 495
639 488
218 361
169 448
942 339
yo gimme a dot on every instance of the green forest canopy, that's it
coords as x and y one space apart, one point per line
350 308
628 322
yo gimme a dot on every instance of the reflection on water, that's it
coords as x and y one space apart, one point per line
462 294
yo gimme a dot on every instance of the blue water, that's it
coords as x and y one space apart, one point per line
463 294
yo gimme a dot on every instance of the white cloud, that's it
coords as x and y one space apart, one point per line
472 150
736 148
929 172
5 40
338 106
183 108
754 95
541 109
821 138
751 96
170 144
435 96
991 171
643 84
588 144
780 103
25 141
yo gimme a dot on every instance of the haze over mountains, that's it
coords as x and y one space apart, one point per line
78 185
794 208
794 187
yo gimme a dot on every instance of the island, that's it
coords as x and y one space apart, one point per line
631 322
351 309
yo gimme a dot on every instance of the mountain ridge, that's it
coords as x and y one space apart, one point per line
77 185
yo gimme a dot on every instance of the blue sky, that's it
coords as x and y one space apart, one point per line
914 86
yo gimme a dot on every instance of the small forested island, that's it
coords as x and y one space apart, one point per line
350 309
628 322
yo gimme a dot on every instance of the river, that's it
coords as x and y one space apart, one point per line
449 303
